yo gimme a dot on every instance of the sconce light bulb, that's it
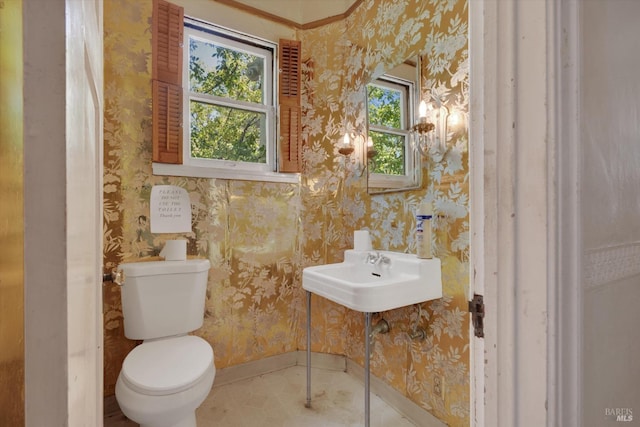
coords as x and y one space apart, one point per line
369 142
422 109
346 141
454 118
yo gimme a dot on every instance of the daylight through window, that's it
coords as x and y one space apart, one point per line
230 99
388 109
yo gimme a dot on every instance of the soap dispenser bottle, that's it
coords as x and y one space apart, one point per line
423 230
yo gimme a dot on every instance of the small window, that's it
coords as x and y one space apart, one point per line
389 111
215 101
229 96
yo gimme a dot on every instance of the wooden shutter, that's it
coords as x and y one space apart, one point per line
167 123
168 30
290 109
167 33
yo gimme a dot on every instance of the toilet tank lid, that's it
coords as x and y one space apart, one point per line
150 268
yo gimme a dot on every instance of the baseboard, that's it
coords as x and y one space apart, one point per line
253 369
331 362
419 416
276 363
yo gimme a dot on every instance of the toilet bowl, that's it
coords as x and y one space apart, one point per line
164 379
162 382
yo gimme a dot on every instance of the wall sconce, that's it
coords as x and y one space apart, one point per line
346 147
429 135
352 143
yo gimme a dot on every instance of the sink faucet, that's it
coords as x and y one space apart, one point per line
376 258
372 257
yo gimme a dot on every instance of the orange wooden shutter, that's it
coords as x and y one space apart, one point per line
167 123
168 29
290 109
167 33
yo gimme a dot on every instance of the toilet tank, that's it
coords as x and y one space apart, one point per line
163 298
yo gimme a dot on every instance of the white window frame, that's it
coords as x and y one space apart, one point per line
411 177
228 169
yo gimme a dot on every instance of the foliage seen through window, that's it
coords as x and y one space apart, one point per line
386 117
228 102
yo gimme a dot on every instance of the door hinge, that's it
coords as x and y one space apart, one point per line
476 308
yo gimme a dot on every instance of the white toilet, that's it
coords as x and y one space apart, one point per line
164 379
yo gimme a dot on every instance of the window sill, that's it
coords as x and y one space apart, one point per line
393 181
207 172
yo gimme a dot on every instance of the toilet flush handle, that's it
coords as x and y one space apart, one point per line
116 276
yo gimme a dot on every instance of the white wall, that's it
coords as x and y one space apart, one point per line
610 209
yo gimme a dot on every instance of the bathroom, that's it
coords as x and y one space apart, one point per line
260 235
327 207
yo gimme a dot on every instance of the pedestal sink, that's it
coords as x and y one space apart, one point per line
369 282
375 281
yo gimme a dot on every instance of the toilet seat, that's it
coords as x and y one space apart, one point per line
167 366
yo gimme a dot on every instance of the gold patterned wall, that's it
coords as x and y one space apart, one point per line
259 236
11 217
344 57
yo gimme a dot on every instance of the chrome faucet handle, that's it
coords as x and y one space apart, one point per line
384 260
376 258
372 258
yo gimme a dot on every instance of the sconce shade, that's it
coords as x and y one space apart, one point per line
345 151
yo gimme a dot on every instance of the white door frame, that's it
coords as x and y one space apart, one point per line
523 208
63 110
565 340
478 257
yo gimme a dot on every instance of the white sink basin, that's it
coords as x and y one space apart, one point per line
362 285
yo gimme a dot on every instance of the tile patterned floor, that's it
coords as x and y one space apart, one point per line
277 400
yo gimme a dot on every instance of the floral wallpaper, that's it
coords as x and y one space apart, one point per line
259 236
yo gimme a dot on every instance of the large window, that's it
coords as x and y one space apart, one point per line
389 110
228 93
